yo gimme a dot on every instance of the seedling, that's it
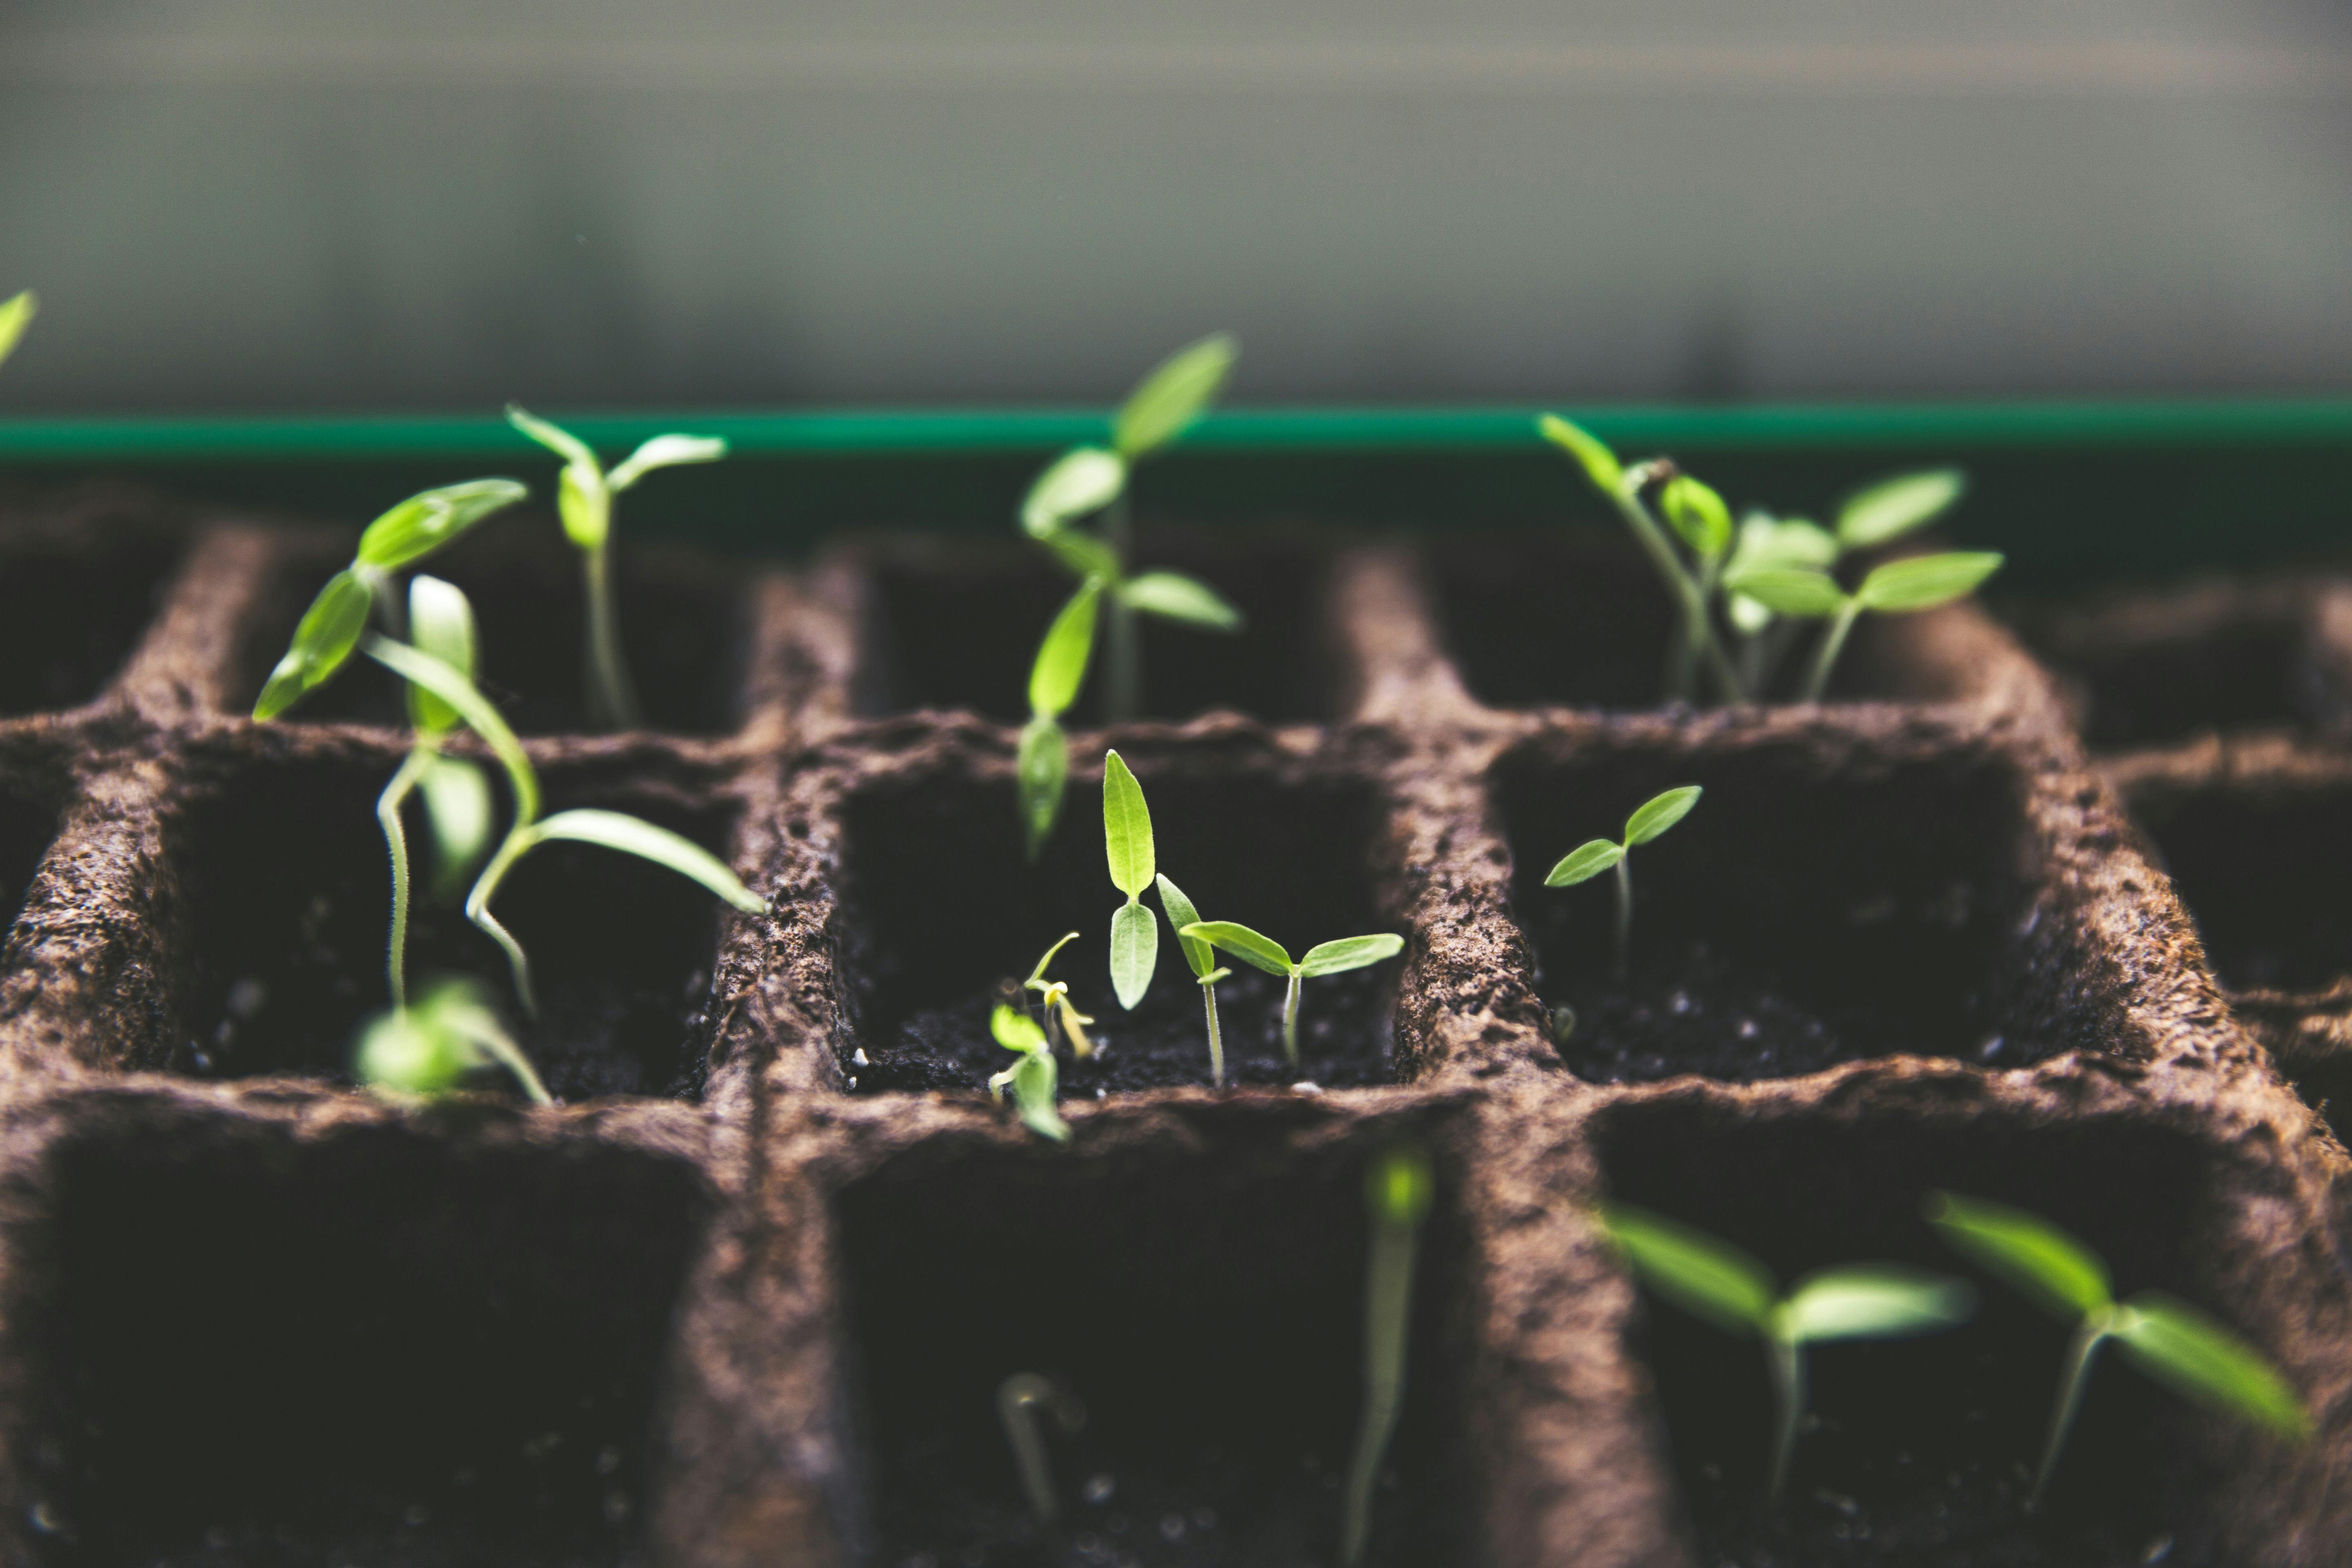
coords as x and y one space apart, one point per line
584 500
2169 1340
1033 1077
1324 958
1718 1282
1053 999
1397 1193
1126 842
1589 859
1900 587
1044 765
1202 958
431 1047
16 315
1018 1399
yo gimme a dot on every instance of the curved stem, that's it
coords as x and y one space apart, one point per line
1017 1399
1216 1039
1698 627
1831 641
1388 1313
1290 1018
2076 1377
477 910
1787 1360
611 700
387 813
1624 915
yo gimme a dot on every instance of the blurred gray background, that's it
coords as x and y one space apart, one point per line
436 204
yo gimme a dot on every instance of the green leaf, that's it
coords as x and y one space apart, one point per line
1584 862
1873 1302
1037 975
1710 1279
1698 514
1787 591
457 796
1660 812
585 504
1398 1188
2200 1359
1781 543
1083 555
1015 1030
431 519
553 437
1061 666
1173 596
665 452
441 623
485 720
1042 770
1127 829
1034 1078
323 640
1134 953
1199 955
1924 582
16 315
1260 952
2024 1250
461 1008
1601 463
1349 952
1173 395
1748 616
403 1051
1081 480
633 835
1893 508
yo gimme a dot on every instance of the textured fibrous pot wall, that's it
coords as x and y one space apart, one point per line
721 1266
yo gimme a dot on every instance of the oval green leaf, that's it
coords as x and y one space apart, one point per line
1134 953
1924 582
1600 465
1127 829
1173 596
553 437
1349 952
1174 394
1787 544
1709 1279
1034 1078
1893 508
1660 812
1259 951
1199 955
1698 514
1061 666
323 641
1789 591
441 623
584 505
2180 1346
1584 862
431 519
1873 1302
1015 1030
16 315
665 452
403 1052
1042 771
635 835
1081 480
457 810
2024 1250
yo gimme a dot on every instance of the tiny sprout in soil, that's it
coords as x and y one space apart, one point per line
432 1045
584 500
1589 859
1202 960
1397 1192
1054 1001
16 315
1127 840
1018 1400
1033 1078
2169 1340
1324 958
1718 1282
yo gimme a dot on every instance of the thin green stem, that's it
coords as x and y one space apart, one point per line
1388 1313
509 1056
1698 627
611 700
387 813
1833 641
2088 1336
477 910
1017 1399
1123 658
1625 915
1290 1018
1216 1037
1682 678
1786 1359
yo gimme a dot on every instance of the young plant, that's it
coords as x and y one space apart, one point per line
1397 1193
1324 958
1718 1282
584 500
1589 859
1042 768
1202 959
1033 1077
1089 479
1127 843
1054 1000
16 315
2169 1340
433 1046
1900 587
1018 1400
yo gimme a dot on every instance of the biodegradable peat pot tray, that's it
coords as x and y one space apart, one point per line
746 1296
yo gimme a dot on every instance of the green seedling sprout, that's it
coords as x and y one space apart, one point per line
2167 1339
1202 959
1127 843
1044 765
1324 958
1054 1000
1033 1077
1018 1400
1589 859
1397 1194
1089 479
1722 1285
584 500
430 1048
1900 587
16 315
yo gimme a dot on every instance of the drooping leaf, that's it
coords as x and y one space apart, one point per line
1349 952
1584 862
1134 953
1173 596
1015 1030
1199 955
1036 1077
1892 508
1259 951
1873 1302
481 717
441 623
1698 514
457 796
1787 591
1173 395
1660 812
1036 980
1081 480
2025 1250
584 502
1083 555
1924 582
16 315
1061 666
635 835
1398 1187
553 437
1708 1277
665 452
431 519
2180 1346
1127 829
1601 463
323 640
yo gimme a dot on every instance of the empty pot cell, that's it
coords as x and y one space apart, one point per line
942 916
957 626
28 825
1204 1303
2263 871
685 635
1921 1451
1820 904
70 617
285 905
242 1346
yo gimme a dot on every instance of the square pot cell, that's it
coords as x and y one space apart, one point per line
70 615
685 634
1205 1306
941 916
2266 872
1820 905
952 626
1921 1451
286 899
242 1347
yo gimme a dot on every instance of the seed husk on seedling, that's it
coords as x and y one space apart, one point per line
1053 1001
1397 1189
1043 768
1589 859
1323 958
2169 1340
1127 843
16 315
1018 1400
1202 960
431 1046
1033 1077
584 500
1898 588
1718 1282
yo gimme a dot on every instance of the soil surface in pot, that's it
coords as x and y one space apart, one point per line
2269 880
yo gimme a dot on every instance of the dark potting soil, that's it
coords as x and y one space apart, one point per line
2268 879
68 622
2162 667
